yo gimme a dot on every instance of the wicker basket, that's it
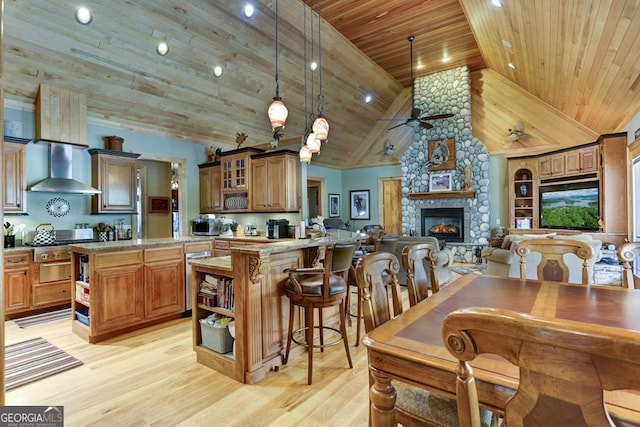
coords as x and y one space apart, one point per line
215 338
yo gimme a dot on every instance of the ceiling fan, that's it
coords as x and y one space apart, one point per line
388 148
415 120
517 133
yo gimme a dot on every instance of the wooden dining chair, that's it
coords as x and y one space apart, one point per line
419 261
414 405
318 288
553 266
565 365
628 253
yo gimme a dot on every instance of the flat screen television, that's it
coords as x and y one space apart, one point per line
572 206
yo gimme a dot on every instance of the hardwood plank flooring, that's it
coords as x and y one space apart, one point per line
151 378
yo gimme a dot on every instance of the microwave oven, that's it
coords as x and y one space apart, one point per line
205 227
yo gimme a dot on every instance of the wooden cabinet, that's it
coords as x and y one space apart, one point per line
584 160
17 282
236 189
129 289
551 166
50 294
15 189
523 193
163 269
61 116
275 186
569 163
115 174
210 188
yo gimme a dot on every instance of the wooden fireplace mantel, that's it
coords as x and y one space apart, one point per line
463 194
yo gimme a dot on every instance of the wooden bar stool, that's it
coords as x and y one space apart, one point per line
312 288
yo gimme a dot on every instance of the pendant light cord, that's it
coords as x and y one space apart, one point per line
320 95
277 83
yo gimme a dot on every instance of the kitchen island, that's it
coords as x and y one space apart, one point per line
256 275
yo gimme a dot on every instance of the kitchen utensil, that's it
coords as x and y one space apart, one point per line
45 235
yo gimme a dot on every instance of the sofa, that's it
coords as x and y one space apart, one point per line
395 245
504 262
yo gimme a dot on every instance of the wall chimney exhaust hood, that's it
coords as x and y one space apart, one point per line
60 174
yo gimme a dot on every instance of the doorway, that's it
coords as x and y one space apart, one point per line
391 199
315 190
634 233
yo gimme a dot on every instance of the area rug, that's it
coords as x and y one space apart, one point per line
38 319
468 269
33 360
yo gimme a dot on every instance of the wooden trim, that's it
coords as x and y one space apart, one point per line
470 194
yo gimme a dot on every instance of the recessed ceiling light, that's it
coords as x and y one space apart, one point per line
420 66
496 3
162 48
313 65
248 10
217 71
510 64
368 99
506 43
83 16
446 58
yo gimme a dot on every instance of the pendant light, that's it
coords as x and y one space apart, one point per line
320 125
277 110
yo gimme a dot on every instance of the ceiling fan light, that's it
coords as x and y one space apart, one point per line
277 113
305 154
313 143
321 128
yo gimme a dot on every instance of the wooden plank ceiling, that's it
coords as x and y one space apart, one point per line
575 77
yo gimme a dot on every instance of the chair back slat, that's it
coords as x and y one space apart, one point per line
565 365
552 265
376 274
419 260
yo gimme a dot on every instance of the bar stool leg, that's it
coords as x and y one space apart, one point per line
321 330
309 319
290 335
343 328
359 318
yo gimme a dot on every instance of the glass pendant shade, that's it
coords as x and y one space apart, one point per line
321 128
305 154
313 143
277 114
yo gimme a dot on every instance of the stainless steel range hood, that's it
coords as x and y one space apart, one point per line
60 174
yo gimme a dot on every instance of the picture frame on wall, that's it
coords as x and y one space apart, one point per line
440 181
442 154
334 205
359 204
159 204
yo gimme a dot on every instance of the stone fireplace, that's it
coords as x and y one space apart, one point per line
447 92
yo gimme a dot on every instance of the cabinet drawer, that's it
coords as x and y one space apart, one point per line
51 293
163 254
18 260
114 259
197 247
221 244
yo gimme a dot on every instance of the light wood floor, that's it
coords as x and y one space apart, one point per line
151 378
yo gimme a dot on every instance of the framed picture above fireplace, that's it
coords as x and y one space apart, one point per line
359 204
440 181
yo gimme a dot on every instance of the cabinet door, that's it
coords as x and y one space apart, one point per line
116 178
164 288
14 200
17 290
589 160
557 165
572 162
260 185
277 184
210 185
117 298
544 166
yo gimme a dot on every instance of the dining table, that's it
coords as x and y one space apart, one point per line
409 347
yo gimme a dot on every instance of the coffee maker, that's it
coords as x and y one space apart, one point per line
277 228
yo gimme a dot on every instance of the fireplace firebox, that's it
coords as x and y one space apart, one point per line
444 223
